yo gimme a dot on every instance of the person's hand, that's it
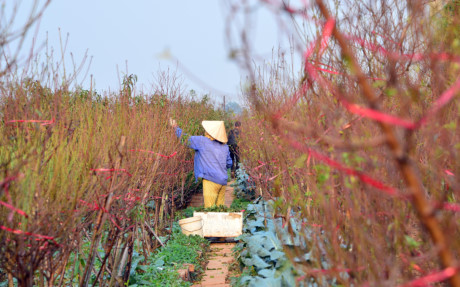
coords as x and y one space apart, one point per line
172 123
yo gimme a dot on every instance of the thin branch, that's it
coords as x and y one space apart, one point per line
408 169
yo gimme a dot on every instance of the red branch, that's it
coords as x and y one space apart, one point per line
404 57
9 179
451 206
378 116
443 100
386 38
432 278
327 32
38 236
17 210
43 122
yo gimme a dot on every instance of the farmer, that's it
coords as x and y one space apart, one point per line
212 159
233 137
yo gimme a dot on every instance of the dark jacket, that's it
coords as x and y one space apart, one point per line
233 137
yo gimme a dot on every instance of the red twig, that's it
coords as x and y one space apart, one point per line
43 122
38 236
443 100
433 278
17 210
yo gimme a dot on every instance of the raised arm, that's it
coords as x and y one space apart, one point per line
178 131
193 142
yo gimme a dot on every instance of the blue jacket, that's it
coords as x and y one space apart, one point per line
212 158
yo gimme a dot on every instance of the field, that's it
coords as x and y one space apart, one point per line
354 159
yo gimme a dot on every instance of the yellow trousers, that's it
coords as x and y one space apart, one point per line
213 193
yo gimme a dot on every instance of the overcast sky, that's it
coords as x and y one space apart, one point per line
139 32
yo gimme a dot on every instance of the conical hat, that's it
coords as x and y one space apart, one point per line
216 129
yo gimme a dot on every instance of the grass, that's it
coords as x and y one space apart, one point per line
161 268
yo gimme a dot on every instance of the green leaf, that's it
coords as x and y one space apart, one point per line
143 267
300 162
267 273
246 279
135 261
390 92
276 255
268 282
256 246
263 243
255 224
82 262
452 126
411 241
255 261
379 84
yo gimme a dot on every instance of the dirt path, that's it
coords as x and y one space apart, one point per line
220 256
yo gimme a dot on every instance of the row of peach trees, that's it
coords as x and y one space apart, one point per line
362 145
86 180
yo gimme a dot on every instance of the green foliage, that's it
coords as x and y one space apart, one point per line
263 246
161 269
239 204
411 242
323 173
157 275
244 188
129 82
183 249
260 250
185 213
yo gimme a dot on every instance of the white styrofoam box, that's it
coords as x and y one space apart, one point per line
221 224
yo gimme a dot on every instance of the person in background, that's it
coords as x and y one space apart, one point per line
212 159
233 137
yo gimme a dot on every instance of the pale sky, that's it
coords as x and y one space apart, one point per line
138 32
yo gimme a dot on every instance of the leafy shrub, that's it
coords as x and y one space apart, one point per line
263 247
239 204
161 269
244 188
261 252
183 249
156 274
